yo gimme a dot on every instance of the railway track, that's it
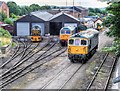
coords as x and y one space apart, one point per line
18 75
92 84
21 61
16 54
58 74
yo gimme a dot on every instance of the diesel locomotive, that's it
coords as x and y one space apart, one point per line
82 45
65 33
36 34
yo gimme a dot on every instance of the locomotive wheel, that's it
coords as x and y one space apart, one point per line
66 44
72 61
83 61
62 43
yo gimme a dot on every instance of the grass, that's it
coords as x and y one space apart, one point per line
4 41
91 67
13 44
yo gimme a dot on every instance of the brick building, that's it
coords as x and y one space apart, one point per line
76 11
4 8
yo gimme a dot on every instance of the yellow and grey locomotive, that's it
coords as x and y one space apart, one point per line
81 45
65 33
36 34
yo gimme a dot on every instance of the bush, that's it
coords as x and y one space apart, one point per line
4 33
8 21
114 48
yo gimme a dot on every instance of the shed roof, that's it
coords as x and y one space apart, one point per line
62 13
30 18
42 15
98 19
78 8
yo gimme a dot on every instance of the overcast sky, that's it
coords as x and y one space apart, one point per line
85 3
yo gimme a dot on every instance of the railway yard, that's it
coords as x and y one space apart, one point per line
45 65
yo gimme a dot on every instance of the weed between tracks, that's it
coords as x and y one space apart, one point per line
102 75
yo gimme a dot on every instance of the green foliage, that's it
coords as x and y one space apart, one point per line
81 27
2 16
96 11
91 14
13 44
8 21
13 7
34 7
4 33
23 10
113 23
115 47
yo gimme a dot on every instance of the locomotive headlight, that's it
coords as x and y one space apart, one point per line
76 49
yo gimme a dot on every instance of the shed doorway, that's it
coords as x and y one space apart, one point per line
55 28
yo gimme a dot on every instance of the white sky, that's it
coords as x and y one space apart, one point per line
85 3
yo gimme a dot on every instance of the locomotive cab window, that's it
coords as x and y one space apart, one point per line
71 41
77 42
65 31
62 32
83 42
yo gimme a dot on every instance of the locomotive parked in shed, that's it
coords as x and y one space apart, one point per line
36 34
82 45
66 32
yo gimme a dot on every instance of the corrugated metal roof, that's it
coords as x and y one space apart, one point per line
78 8
42 15
62 13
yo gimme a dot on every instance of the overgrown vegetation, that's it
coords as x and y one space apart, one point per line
5 37
4 33
113 22
2 16
23 10
97 11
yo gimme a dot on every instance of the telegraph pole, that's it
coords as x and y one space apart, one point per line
73 7
66 3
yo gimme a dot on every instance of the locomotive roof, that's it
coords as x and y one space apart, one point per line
68 27
89 33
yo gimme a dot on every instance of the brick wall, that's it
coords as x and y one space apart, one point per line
5 9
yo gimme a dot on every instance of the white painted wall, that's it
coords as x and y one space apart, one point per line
70 24
98 21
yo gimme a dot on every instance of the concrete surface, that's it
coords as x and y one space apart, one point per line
116 74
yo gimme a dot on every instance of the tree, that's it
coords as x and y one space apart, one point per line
34 7
8 21
91 10
91 14
2 16
113 22
96 11
13 7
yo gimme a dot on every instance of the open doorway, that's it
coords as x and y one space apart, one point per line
55 28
